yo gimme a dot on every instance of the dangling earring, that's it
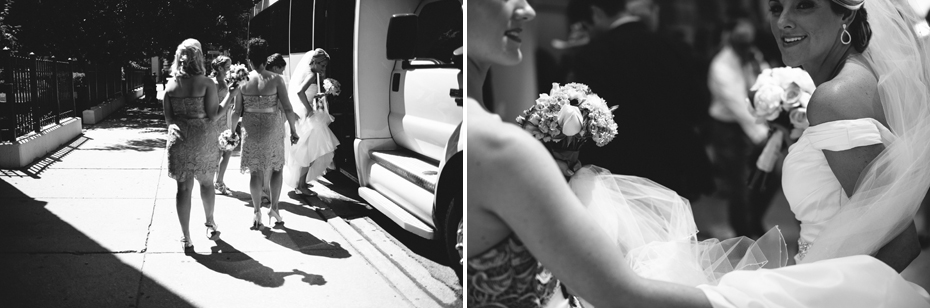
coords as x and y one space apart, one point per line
845 37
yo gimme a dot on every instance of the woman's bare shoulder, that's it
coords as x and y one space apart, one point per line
852 94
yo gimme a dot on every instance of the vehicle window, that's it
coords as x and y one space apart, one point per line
439 30
272 25
301 26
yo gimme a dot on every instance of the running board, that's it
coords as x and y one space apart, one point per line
417 170
395 213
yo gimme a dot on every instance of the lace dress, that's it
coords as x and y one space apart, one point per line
194 154
222 122
507 275
263 134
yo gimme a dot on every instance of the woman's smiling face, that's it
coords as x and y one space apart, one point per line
494 28
805 30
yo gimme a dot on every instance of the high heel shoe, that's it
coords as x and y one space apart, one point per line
187 245
213 233
257 221
277 217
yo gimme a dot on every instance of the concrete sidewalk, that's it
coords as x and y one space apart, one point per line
95 225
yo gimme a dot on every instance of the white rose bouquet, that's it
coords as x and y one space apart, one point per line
237 73
783 89
228 140
568 116
331 86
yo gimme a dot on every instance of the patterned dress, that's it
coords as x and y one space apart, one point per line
263 134
222 122
194 154
507 275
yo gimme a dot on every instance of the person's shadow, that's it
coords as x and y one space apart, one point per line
304 242
226 259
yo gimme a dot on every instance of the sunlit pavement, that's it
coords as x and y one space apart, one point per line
95 225
710 213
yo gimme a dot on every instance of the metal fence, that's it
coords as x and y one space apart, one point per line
36 92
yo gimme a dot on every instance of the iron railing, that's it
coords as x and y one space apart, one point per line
35 93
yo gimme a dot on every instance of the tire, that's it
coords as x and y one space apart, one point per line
453 237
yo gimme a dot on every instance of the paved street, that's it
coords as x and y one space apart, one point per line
95 225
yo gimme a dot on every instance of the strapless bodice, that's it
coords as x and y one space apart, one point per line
810 186
260 101
190 107
507 275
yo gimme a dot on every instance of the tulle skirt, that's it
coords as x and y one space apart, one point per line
655 230
314 149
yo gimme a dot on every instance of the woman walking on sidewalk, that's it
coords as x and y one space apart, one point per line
190 111
265 104
220 67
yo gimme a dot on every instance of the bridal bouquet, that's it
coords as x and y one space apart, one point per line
236 74
228 140
778 90
568 116
331 86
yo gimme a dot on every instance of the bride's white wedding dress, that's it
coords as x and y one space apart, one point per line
655 228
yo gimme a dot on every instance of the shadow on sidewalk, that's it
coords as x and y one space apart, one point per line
47 262
305 242
226 259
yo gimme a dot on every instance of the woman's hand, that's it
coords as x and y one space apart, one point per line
294 138
175 132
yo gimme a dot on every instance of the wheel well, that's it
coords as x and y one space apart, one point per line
450 186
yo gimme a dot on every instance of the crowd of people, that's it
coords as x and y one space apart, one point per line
203 112
621 238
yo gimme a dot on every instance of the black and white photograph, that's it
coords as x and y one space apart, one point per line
713 153
232 153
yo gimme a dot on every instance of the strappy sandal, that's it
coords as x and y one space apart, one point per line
187 245
212 233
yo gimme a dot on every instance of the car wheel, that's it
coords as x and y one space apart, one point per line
453 237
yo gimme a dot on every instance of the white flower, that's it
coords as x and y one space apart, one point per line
804 98
798 117
792 96
571 120
767 101
786 75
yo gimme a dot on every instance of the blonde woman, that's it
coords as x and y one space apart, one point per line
190 111
220 67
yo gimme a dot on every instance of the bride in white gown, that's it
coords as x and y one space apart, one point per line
529 232
854 179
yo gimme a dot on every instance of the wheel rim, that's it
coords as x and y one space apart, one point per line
458 242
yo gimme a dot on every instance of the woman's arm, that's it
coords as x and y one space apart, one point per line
856 99
169 116
513 177
286 105
301 93
237 110
902 250
210 99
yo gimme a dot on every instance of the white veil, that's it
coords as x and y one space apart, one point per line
889 191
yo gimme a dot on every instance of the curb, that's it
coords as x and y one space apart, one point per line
397 277
411 267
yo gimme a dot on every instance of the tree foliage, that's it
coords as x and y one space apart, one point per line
121 30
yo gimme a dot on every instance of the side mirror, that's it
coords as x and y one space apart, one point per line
402 37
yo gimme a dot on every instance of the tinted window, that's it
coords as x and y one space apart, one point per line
301 25
439 30
271 24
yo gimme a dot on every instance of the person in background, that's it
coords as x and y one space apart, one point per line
652 80
220 67
736 133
